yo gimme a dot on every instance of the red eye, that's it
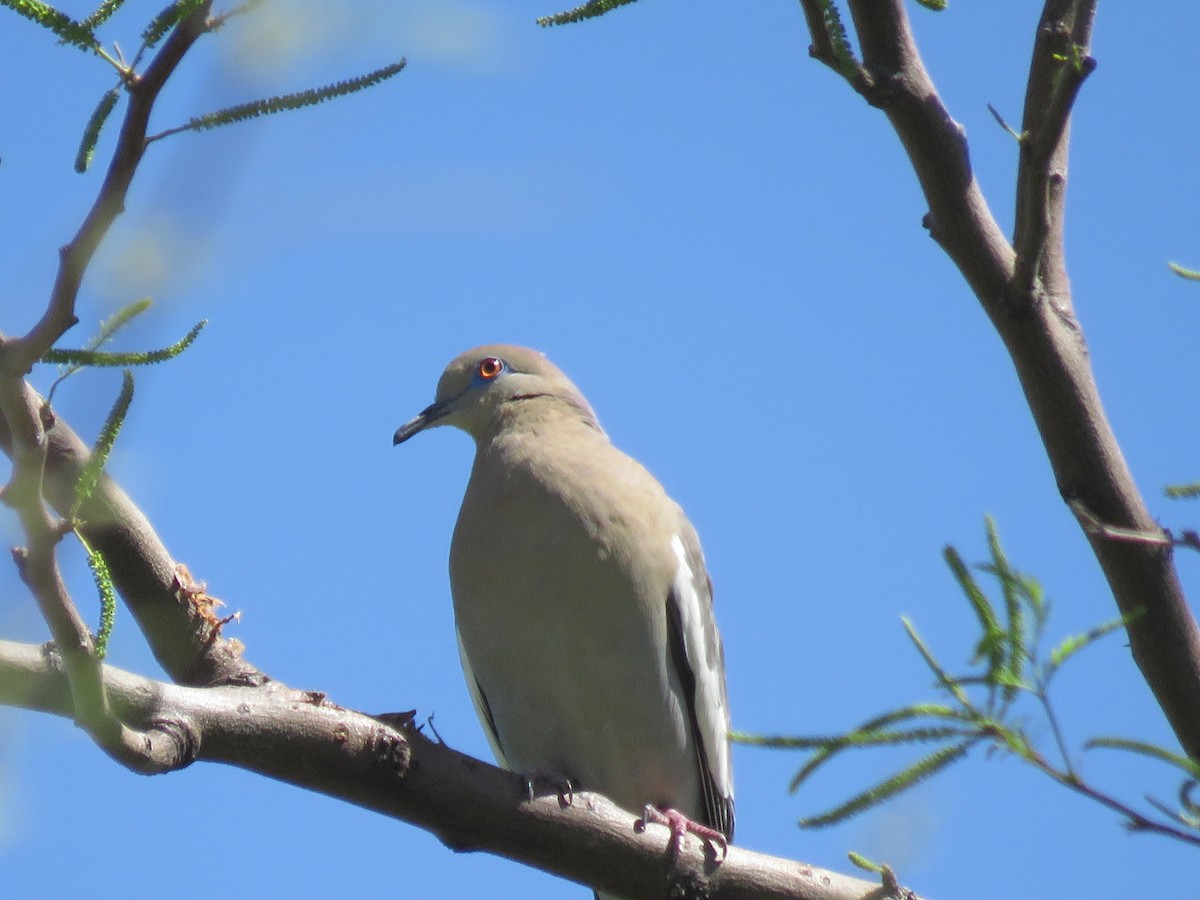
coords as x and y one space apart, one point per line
490 368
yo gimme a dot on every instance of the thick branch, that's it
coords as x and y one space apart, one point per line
302 739
1038 326
181 636
37 563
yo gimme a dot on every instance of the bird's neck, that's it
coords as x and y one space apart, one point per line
542 414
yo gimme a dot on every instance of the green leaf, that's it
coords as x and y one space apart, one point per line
857 739
589 10
1185 764
89 476
298 100
109 327
132 358
872 733
835 30
790 742
935 5
102 13
917 711
1183 491
91 134
1013 740
949 684
1190 274
108 599
990 643
117 321
167 19
77 34
898 783
1071 645
863 863
1017 650
778 741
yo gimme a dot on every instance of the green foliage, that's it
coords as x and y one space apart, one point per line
68 30
589 10
843 54
1190 274
102 13
1074 57
167 19
89 477
298 100
108 598
109 327
1183 491
91 354
91 134
1008 665
865 864
924 768
1011 667
85 486
1072 644
935 5
88 357
1189 767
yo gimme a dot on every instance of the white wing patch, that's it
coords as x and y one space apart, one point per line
704 656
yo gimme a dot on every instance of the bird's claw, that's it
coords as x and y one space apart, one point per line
680 826
563 787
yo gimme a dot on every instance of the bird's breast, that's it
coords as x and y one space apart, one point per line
560 587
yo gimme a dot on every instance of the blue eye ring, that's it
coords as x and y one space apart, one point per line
490 368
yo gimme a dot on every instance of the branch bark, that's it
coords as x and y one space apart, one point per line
1024 290
180 634
303 739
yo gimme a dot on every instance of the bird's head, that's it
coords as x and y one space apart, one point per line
480 386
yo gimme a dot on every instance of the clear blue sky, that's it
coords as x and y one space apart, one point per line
721 244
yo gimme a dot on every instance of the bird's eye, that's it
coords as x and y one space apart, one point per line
489 368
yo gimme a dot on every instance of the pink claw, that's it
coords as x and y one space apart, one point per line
680 825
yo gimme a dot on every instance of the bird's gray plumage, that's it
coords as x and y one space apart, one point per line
581 600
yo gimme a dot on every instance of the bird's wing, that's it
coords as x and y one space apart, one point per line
699 661
482 709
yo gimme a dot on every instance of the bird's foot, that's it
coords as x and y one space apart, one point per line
562 786
680 826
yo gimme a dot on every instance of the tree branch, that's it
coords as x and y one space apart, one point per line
17 355
1056 73
180 634
303 739
37 564
1027 297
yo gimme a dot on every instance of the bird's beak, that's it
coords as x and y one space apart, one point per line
426 418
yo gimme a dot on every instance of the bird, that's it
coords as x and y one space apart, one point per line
582 605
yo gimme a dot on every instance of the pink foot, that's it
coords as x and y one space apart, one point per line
680 825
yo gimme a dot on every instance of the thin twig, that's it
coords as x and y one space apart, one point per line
1092 525
17 355
1059 67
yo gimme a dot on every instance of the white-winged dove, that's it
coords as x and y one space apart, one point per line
582 604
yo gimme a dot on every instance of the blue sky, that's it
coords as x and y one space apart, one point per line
721 244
